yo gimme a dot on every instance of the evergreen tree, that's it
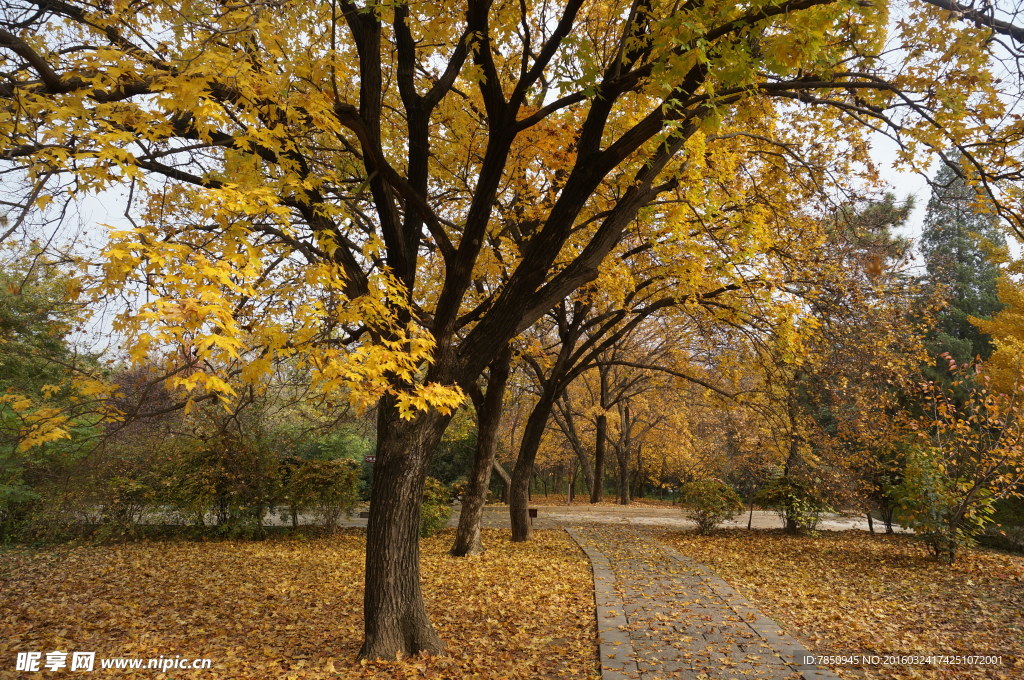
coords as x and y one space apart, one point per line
958 240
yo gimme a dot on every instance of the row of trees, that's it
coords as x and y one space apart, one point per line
394 200
843 406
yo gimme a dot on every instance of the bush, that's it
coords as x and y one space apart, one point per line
231 481
436 508
327 488
797 502
16 503
931 503
709 502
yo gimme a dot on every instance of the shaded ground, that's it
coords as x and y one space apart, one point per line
292 608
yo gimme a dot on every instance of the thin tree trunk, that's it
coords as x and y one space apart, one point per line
624 479
506 480
600 453
887 518
622 449
567 424
637 484
488 409
519 492
395 618
601 438
570 485
871 524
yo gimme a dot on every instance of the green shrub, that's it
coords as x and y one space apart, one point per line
436 508
798 503
16 504
709 502
938 508
229 481
327 488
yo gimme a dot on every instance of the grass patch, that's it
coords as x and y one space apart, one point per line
853 593
293 609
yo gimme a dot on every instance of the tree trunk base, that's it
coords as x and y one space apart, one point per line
522 528
401 644
471 545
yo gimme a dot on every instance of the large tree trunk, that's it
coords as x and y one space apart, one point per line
395 620
488 418
519 489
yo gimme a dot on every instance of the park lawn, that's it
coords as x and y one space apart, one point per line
293 608
853 593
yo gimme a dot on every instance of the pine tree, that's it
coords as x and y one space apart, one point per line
958 240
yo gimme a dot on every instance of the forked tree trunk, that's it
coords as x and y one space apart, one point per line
568 426
489 407
395 619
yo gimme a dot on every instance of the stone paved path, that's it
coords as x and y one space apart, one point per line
663 616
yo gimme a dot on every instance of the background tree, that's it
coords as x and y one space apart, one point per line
962 246
39 408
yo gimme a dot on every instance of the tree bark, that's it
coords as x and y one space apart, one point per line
624 478
488 416
570 487
506 480
600 453
636 488
567 424
519 489
395 619
622 450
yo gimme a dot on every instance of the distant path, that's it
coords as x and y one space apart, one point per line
663 616
581 512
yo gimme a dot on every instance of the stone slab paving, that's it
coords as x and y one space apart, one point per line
662 616
618 657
